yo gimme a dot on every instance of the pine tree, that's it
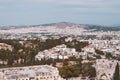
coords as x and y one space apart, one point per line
116 74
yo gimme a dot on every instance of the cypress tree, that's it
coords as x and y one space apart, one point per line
116 75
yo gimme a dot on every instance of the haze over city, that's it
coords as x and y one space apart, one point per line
34 12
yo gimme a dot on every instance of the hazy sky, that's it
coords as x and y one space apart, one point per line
27 12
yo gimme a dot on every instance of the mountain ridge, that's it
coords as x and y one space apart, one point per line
67 24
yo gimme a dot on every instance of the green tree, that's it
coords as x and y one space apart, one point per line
116 75
69 71
79 63
65 62
10 60
108 55
92 72
99 52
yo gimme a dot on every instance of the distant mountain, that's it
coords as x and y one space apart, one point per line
85 26
68 24
101 28
62 24
6 27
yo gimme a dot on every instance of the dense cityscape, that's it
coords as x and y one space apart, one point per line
61 51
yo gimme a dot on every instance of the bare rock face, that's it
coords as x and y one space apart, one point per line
6 46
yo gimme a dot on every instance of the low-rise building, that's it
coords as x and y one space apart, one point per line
43 72
60 51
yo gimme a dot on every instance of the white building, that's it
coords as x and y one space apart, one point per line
89 48
60 51
43 72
